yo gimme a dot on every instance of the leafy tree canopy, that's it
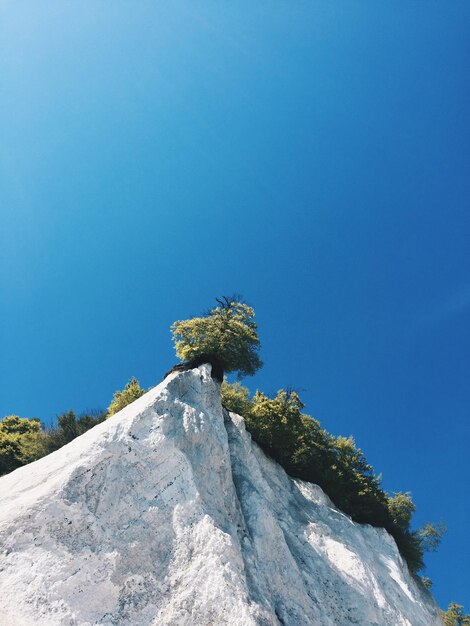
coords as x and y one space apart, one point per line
401 508
226 337
235 398
21 441
431 536
69 426
14 425
454 616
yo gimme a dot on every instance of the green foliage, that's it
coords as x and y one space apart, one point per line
21 441
409 545
431 535
131 392
235 398
337 465
401 508
454 616
305 450
227 337
358 490
69 426
277 423
426 582
14 425
10 453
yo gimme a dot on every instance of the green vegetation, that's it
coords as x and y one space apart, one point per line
401 509
23 440
131 392
70 426
305 450
454 616
226 337
426 582
430 536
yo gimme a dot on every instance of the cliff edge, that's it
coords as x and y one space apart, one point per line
168 514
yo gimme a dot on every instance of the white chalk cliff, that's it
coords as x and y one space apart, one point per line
168 513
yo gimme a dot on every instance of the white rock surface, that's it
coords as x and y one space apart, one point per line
167 513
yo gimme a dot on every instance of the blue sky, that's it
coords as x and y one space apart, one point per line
312 156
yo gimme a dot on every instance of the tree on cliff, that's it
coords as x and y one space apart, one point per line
21 441
69 426
132 391
336 464
226 337
454 616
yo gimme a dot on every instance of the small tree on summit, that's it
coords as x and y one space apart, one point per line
226 337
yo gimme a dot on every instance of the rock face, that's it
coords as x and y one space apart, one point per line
168 513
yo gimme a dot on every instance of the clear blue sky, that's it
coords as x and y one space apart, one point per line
312 156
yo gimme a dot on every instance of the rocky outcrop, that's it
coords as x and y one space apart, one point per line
168 513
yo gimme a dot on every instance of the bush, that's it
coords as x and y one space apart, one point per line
306 451
401 509
69 426
276 424
235 398
454 616
431 535
21 441
226 337
131 392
